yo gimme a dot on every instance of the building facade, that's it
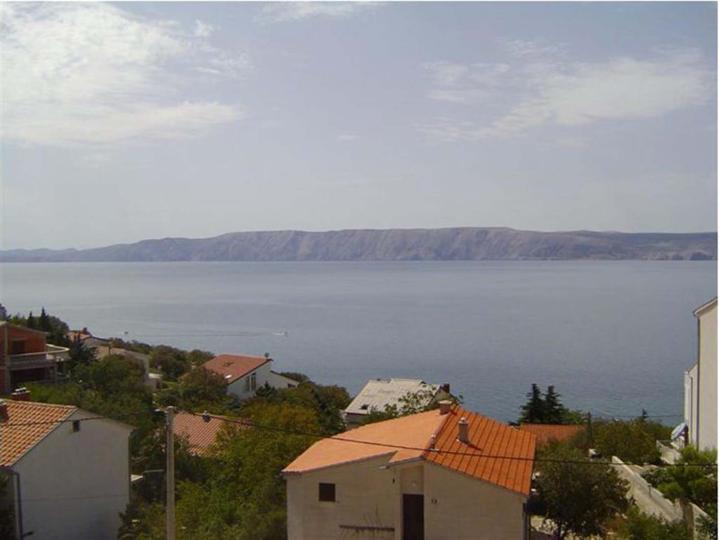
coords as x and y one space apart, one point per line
67 478
429 482
378 394
25 356
700 381
244 375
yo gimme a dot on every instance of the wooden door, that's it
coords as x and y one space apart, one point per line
412 517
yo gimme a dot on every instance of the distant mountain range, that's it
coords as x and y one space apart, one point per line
463 243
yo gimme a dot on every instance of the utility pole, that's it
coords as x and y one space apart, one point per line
170 473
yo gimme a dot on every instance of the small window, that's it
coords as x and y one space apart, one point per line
247 384
17 346
253 381
76 425
327 492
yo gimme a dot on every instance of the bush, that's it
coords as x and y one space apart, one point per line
640 526
634 441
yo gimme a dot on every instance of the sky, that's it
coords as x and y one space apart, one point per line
126 121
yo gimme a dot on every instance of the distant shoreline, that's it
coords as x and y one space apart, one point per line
450 244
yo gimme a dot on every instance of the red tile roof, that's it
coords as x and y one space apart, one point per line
199 434
552 432
29 423
232 366
496 453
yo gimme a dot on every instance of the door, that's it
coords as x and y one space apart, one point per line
412 517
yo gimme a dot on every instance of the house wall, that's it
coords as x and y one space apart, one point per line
237 388
34 341
367 495
276 380
690 402
457 507
707 432
75 484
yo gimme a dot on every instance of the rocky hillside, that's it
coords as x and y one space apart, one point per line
466 243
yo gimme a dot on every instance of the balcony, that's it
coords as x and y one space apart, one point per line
50 357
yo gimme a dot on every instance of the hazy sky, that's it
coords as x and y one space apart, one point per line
141 120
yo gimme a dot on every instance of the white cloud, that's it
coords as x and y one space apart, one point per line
522 48
203 29
347 137
93 73
295 11
571 94
458 83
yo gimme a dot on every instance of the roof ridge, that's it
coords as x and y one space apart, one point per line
435 436
42 403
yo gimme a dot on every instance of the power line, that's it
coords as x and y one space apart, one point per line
252 424
249 423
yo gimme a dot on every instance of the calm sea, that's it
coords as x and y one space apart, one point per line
613 337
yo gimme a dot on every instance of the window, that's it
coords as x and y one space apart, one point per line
17 346
247 384
253 381
327 492
76 425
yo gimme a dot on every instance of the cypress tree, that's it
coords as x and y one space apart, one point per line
30 320
533 410
44 321
553 408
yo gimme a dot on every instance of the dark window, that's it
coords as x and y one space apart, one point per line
17 346
327 492
76 425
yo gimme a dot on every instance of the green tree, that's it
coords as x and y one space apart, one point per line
693 479
632 441
533 409
80 355
198 390
243 496
554 411
170 361
578 495
640 526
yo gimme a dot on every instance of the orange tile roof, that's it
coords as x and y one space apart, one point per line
487 438
37 419
552 432
233 366
199 434
412 431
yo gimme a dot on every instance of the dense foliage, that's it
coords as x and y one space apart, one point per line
56 329
580 496
632 441
640 526
173 362
693 479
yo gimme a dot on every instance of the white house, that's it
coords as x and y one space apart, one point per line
245 374
67 478
700 381
436 475
380 393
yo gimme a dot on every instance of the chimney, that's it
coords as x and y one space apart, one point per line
463 430
445 406
21 394
445 387
4 415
